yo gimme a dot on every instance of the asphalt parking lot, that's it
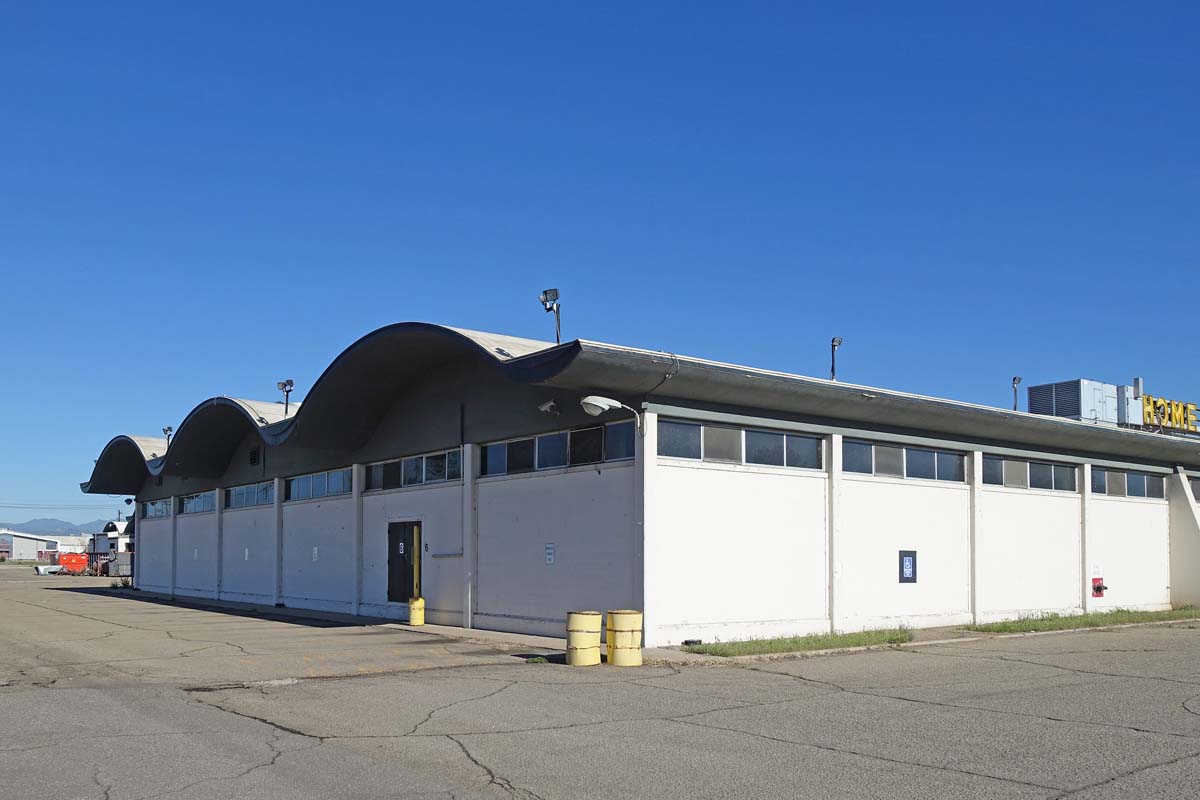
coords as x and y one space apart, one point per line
113 697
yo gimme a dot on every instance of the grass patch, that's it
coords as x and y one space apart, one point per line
1062 622
795 644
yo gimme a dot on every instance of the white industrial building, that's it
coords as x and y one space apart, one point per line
17 546
115 537
725 501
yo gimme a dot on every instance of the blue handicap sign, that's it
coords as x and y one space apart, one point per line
908 566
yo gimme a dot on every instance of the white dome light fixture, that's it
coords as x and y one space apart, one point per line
595 405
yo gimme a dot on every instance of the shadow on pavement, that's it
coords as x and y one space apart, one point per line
312 619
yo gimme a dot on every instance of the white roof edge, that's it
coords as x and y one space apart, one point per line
501 346
265 412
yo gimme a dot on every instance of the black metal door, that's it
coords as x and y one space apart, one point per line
404 561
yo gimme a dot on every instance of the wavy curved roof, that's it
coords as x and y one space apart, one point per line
207 435
351 396
337 410
123 456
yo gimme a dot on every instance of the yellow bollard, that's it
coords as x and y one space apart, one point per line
583 638
416 611
624 635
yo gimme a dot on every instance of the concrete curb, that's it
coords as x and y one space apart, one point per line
706 660
1019 634
759 658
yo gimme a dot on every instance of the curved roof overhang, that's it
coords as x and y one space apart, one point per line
667 378
341 411
351 396
208 435
123 464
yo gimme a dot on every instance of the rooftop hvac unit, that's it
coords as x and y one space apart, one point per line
1129 405
1090 401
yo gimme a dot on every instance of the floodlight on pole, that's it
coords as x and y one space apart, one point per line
1016 383
595 405
549 301
167 431
285 387
834 344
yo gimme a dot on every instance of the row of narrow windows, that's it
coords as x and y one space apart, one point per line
612 442
432 468
738 446
722 443
677 439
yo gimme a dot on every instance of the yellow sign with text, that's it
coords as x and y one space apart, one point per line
1168 413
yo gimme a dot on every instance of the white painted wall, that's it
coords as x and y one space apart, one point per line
1027 553
1129 540
439 510
153 565
740 553
24 549
737 551
196 555
878 517
248 554
318 566
1185 542
588 514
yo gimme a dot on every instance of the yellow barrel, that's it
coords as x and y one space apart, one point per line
624 635
583 638
416 611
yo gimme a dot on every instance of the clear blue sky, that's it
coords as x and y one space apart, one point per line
204 200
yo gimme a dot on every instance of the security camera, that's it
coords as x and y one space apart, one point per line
549 407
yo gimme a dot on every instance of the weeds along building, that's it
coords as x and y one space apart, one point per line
461 466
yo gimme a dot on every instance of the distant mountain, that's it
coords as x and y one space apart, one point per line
55 527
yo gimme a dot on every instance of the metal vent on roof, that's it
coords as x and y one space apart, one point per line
253 456
1041 399
1067 399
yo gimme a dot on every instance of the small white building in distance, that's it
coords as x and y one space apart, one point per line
509 481
116 537
16 546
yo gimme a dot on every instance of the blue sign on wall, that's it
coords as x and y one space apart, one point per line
908 566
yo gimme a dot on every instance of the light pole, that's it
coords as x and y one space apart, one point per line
286 388
167 431
1016 383
834 344
549 301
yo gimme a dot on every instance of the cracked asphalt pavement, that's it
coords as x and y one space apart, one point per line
104 696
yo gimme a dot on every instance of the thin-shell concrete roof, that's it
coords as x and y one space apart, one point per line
338 408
